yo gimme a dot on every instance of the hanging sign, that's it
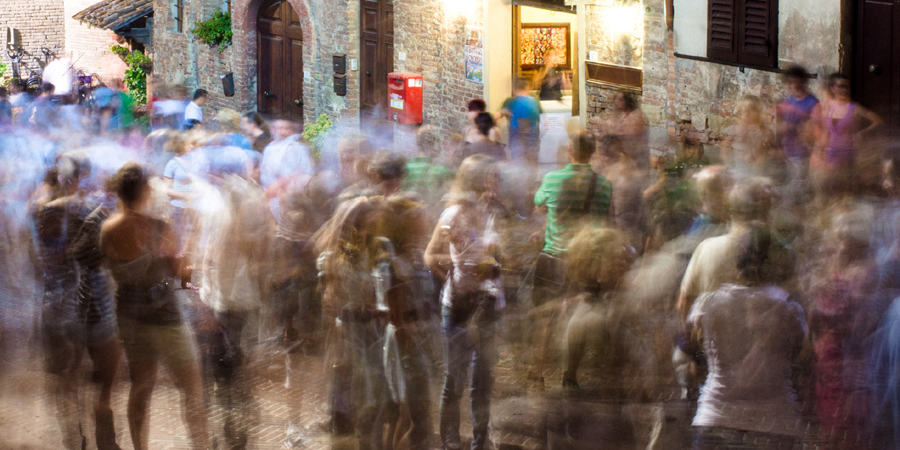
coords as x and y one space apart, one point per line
474 54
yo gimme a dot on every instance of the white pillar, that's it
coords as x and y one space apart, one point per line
497 52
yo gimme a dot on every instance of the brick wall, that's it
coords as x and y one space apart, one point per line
657 99
37 23
88 47
433 38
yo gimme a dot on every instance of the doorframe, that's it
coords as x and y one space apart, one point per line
358 42
246 43
576 41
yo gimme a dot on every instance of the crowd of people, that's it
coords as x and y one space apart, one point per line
754 276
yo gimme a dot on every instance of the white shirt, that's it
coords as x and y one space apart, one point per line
470 245
750 335
231 234
193 112
282 159
712 265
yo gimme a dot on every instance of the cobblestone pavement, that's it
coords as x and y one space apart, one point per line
519 412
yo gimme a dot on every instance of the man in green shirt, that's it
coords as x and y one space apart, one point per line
566 195
424 176
572 196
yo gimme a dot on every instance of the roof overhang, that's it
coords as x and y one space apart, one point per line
115 15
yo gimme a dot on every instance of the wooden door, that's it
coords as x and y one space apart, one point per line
376 23
280 68
877 59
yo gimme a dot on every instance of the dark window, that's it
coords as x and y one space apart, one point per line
743 32
178 15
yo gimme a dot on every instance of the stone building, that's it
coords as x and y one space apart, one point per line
661 50
81 30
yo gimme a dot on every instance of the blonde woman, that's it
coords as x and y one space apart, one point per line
601 334
465 252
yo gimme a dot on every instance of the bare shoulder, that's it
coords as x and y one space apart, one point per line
112 223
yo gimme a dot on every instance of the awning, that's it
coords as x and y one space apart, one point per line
115 14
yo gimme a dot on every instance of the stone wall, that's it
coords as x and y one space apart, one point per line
701 96
36 23
88 47
616 33
622 34
687 98
657 99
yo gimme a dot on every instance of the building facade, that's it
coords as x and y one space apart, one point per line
657 49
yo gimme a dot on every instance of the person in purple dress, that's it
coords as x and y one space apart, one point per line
844 122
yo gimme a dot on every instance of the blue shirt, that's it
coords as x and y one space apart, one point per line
524 107
796 112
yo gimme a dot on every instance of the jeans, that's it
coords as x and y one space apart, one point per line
229 369
469 343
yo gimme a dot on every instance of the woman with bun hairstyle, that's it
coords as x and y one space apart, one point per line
142 255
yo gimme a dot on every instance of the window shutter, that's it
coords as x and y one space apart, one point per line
722 34
757 23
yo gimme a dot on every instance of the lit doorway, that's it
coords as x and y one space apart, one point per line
545 51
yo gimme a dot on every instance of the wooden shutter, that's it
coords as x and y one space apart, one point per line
722 40
743 31
758 20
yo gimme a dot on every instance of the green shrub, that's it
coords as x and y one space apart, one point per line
139 66
216 31
315 133
120 50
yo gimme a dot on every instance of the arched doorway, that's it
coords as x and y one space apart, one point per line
280 64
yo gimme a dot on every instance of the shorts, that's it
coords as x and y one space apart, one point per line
102 332
173 345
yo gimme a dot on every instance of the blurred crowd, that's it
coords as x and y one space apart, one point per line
754 276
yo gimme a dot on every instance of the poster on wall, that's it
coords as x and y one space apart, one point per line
474 54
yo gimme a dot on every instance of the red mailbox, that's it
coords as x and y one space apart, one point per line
405 97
